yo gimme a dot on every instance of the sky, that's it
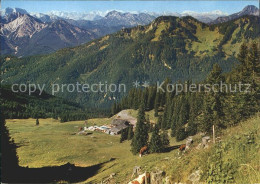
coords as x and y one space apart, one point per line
129 6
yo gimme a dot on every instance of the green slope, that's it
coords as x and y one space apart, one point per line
238 160
168 47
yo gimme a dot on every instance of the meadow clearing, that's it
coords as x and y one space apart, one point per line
53 143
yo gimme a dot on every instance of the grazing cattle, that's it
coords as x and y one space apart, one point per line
141 179
182 147
142 150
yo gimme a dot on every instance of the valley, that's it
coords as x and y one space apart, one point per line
129 95
180 48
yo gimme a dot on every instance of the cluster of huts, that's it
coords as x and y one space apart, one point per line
115 128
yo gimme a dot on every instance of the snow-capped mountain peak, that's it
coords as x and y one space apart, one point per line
9 11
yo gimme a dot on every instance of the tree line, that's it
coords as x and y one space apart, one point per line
21 106
191 112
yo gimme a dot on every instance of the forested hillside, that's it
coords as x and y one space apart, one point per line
188 113
178 48
21 105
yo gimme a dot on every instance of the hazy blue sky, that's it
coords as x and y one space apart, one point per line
152 6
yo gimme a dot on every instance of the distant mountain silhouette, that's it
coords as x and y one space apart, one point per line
248 10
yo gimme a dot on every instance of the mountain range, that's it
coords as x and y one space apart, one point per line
206 17
178 48
248 10
24 34
96 15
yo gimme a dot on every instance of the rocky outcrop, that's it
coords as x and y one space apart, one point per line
195 176
189 141
204 143
157 177
26 35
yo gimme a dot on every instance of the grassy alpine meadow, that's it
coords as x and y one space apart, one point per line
130 92
53 143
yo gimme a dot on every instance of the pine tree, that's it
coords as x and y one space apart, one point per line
140 138
184 112
195 105
124 135
144 97
257 74
37 122
234 102
165 139
251 105
155 145
165 118
173 126
242 105
156 105
180 134
167 114
159 122
253 60
207 118
118 108
151 98
213 110
135 99
192 128
130 133
170 113
175 115
113 109
243 51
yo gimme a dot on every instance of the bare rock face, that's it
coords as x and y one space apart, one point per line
25 35
205 141
195 177
24 25
112 175
189 141
157 177
199 146
167 180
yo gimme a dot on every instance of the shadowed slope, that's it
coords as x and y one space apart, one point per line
11 172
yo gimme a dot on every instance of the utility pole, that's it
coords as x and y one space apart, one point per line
213 130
